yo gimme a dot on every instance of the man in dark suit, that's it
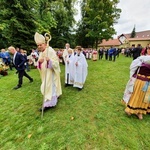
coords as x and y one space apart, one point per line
136 51
18 61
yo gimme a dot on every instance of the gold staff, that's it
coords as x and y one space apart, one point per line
48 38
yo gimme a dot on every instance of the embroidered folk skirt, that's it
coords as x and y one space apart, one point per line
137 103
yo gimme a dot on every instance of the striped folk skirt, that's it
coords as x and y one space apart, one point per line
139 101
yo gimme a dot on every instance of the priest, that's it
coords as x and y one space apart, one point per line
69 73
49 69
65 52
80 69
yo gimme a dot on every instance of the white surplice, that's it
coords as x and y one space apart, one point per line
69 73
65 53
80 71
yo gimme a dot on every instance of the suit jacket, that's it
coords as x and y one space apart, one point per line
19 61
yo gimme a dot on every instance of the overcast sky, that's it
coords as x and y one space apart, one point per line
134 12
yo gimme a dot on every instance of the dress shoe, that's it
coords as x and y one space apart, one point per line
79 89
66 85
17 87
31 80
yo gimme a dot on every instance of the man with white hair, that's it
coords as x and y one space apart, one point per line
65 52
49 69
19 61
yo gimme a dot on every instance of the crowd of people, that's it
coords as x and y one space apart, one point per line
75 67
7 58
134 51
46 60
137 92
93 54
49 69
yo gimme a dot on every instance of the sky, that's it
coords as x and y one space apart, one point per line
134 13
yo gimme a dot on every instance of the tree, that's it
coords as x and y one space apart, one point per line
20 20
98 18
81 38
133 33
17 24
44 17
82 30
63 13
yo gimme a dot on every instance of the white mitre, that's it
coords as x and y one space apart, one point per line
39 38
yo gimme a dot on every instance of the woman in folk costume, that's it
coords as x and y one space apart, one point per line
80 69
137 92
94 55
69 80
48 66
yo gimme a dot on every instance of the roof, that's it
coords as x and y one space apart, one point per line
110 42
141 34
138 39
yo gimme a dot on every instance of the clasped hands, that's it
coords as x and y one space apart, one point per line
76 63
42 59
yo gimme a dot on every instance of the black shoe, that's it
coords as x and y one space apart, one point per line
17 87
79 89
66 85
31 80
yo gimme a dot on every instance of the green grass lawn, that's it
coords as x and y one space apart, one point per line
91 119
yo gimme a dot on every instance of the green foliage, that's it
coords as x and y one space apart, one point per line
98 18
90 119
17 23
64 14
45 19
21 19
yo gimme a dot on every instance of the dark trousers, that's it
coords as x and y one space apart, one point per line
114 57
106 56
22 73
110 57
100 56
